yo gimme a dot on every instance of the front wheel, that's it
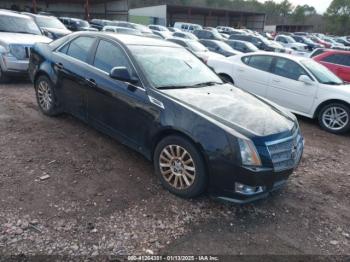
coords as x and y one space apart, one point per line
45 96
335 118
180 167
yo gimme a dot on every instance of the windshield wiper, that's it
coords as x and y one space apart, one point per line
333 83
190 86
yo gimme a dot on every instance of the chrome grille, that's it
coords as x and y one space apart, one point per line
286 153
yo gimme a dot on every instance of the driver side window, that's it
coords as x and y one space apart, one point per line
288 68
108 56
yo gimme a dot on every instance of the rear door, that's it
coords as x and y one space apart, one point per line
286 90
254 74
71 63
115 106
339 64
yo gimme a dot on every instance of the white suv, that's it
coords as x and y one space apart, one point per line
18 33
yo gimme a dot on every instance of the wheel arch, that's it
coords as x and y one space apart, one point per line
169 132
224 75
327 102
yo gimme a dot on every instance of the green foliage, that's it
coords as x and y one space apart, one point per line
338 17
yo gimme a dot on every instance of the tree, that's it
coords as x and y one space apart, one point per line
302 11
338 17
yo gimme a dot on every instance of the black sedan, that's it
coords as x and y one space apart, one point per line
159 99
219 47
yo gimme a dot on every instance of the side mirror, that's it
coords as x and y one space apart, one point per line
121 73
306 80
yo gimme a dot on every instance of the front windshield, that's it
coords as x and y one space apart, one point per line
289 39
82 23
18 25
307 40
49 22
143 29
322 74
163 69
196 46
224 46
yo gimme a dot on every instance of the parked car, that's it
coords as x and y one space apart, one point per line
187 27
219 47
100 23
173 30
337 61
50 26
289 42
196 48
185 35
225 29
318 51
343 41
121 30
18 33
145 31
335 44
242 46
311 45
161 31
299 84
75 24
201 134
320 41
207 34
260 42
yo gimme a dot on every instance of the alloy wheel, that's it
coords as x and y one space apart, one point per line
177 167
44 95
335 118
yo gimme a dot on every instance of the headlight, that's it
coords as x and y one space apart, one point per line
249 155
18 51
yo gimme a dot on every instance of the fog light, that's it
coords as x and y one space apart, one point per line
248 190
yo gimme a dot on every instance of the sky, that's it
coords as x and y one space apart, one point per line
320 5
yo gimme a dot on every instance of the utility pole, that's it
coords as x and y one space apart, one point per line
87 10
34 6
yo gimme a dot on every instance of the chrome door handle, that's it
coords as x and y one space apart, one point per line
59 66
91 82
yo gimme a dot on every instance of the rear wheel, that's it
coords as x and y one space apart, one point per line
45 96
180 167
335 118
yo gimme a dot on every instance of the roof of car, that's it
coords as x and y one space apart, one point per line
12 13
132 39
284 55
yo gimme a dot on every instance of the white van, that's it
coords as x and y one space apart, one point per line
187 27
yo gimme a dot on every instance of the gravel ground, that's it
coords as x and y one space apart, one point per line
101 198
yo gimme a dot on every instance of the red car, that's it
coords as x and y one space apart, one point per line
337 61
321 42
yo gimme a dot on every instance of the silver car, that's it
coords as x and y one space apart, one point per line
18 33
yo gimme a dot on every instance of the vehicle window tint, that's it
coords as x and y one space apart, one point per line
80 47
346 60
246 59
64 49
288 68
108 56
261 62
335 59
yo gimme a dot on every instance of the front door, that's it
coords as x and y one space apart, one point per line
286 90
121 109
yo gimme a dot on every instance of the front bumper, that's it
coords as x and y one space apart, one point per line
12 66
265 179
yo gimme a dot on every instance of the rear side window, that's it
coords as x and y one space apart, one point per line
334 59
261 62
108 56
80 48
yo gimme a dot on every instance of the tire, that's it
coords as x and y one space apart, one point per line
335 118
3 78
226 78
45 95
183 174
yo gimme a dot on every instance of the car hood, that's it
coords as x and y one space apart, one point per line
25 39
235 108
208 54
57 31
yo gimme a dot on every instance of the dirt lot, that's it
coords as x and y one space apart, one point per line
103 199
